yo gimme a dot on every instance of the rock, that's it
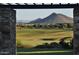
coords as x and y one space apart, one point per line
7 31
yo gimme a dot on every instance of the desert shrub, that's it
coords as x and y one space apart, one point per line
19 44
54 45
64 44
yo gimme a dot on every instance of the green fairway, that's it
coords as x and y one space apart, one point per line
61 52
35 36
28 38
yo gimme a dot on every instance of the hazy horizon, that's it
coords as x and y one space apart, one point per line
32 14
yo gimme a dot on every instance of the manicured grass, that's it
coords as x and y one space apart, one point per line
33 37
29 38
54 52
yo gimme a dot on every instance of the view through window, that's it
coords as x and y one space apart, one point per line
44 31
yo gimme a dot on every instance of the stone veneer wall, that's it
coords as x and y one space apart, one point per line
7 31
76 31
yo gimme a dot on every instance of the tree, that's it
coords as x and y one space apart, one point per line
69 25
63 44
71 44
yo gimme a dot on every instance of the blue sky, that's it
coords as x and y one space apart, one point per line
31 14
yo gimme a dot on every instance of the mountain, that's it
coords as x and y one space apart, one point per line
53 19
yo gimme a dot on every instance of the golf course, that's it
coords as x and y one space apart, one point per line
27 38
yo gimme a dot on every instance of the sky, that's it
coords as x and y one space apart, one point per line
32 14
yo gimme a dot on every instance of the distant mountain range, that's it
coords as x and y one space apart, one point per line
52 19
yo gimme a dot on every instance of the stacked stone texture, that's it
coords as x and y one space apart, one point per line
7 31
76 31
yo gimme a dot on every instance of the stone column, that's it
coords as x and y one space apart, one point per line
7 31
76 31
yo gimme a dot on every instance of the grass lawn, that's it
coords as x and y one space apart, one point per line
47 52
33 37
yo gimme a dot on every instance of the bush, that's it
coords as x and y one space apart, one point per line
19 44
